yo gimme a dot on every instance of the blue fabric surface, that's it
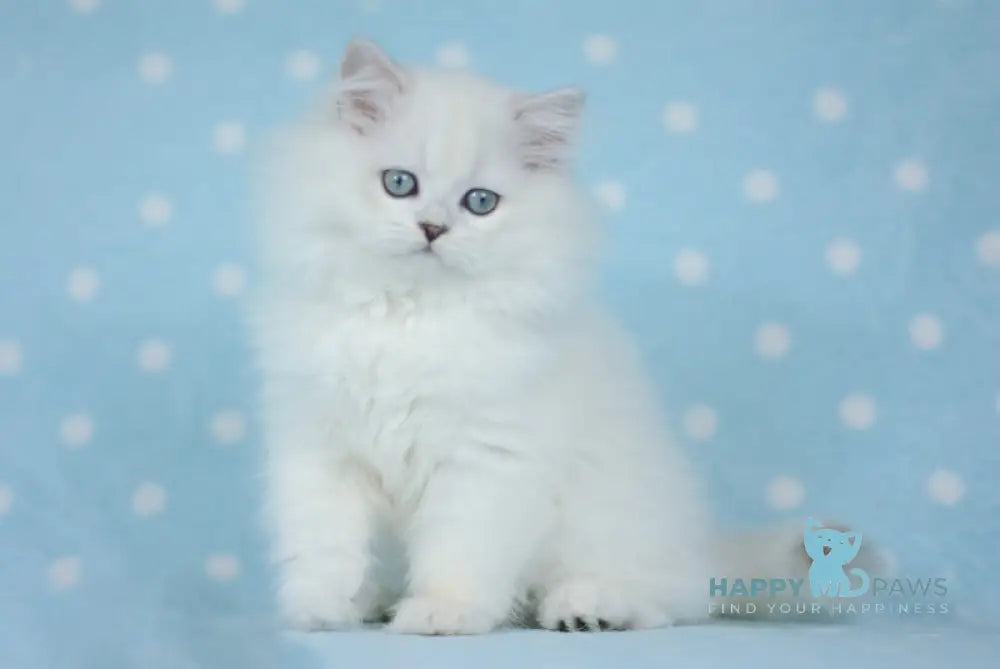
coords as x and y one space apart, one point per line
806 241
802 647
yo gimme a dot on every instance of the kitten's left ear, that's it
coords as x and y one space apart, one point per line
548 123
370 82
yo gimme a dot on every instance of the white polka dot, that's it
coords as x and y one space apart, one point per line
691 267
926 332
988 248
829 105
6 499
700 422
228 427
229 137
599 49
222 567
857 411
155 68
153 356
760 186
452 55
945 487
83 284
785 492
10 357
155 210
771 340
76 430
302 65
843 257
911 175
84 6
149 499
229 6
228 280
611 194
64 572
680 117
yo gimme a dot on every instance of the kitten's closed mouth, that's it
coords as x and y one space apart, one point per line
826 550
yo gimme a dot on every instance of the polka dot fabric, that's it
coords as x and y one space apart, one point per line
804 236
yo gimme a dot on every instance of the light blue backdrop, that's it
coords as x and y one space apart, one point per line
805 222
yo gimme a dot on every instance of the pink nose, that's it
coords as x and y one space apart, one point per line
432 231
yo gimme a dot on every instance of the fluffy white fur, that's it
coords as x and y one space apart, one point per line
460 436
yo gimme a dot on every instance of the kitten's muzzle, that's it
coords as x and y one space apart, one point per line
432 230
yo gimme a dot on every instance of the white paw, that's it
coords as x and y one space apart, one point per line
583 605
431 615
309 606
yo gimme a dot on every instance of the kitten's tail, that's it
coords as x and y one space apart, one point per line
767 574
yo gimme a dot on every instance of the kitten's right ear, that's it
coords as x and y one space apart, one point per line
370 82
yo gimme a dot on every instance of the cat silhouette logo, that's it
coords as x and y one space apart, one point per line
831 550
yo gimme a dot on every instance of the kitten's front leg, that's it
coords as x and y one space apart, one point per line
477 525
321 513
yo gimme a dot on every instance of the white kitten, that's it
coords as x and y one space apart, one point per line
443 399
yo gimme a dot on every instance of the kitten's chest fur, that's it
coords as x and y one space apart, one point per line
410 385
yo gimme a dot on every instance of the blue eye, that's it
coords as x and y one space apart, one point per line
480 201
399 183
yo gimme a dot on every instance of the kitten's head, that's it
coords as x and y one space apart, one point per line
436 182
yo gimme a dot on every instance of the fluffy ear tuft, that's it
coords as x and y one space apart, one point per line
369 83
548 124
